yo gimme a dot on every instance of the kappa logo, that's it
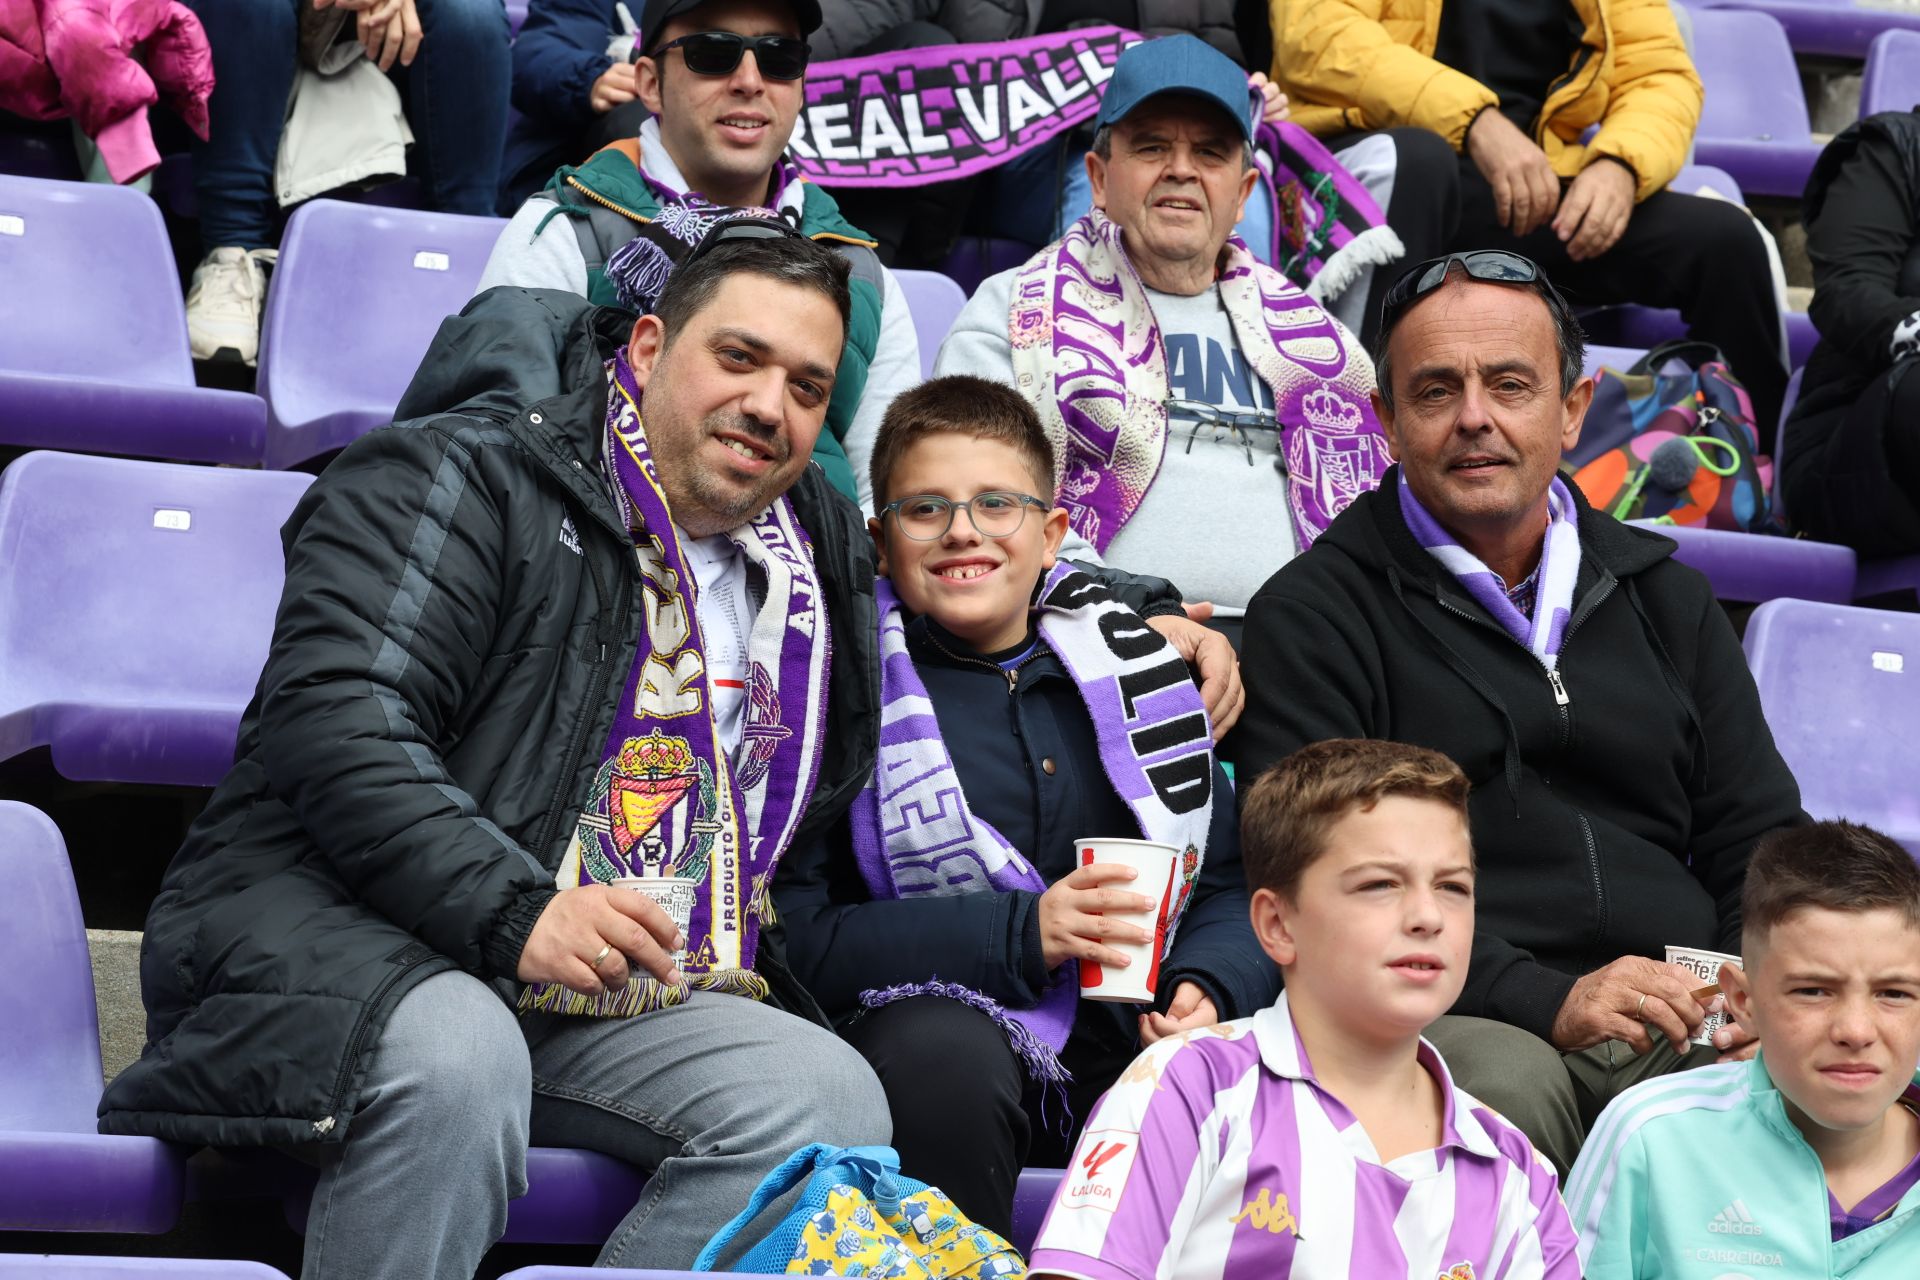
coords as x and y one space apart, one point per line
1268 1212
1100 1171
1734 1220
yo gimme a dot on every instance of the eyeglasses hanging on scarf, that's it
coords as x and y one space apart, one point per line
1247 426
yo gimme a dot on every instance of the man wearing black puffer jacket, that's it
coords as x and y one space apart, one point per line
1586 682
530 646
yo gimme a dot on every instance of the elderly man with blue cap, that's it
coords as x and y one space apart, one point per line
1193 395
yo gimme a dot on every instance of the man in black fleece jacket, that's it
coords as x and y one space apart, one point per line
1621 766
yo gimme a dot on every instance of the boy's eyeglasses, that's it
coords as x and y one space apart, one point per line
717 53
1492 266
926 516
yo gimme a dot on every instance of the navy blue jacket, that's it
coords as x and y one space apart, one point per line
1030 765
560 51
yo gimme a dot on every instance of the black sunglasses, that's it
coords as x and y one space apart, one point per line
717 53
1493 266
740 229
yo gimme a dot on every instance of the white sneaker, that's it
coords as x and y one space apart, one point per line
224 303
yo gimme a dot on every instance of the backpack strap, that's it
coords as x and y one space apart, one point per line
601 232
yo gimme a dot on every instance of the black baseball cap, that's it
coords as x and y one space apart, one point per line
660 12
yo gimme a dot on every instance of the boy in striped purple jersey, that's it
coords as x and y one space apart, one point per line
1322 1138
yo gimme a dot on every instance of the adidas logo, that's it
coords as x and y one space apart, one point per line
1734 1220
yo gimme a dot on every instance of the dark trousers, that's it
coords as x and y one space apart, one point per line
966 1116
1852 474
456 95
1703 257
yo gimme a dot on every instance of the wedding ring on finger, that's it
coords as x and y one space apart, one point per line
600 956
1639 1010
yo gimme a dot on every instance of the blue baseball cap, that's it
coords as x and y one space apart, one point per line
1177 64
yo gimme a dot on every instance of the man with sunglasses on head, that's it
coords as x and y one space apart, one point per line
724 81
1207 417
1549 128
1587 682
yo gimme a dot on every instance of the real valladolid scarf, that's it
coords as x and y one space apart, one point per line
1543 633
1088 355
914 836
667 800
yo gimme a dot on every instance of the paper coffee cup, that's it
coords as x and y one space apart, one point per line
1704 965
675 897
1159 866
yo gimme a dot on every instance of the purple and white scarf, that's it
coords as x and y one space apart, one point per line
914 836
1543 632
1088 355
667 800
1328 231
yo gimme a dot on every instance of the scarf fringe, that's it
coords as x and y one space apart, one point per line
1041 1062
1375 247
640 996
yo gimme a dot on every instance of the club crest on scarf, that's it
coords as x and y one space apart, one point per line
1087 353
668 798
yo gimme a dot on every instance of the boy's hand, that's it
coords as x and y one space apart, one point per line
1189 1009
1071 919
1219 667
1631 999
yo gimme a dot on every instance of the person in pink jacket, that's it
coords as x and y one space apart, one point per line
77 58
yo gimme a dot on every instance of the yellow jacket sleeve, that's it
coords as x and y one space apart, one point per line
1653 104
1346 65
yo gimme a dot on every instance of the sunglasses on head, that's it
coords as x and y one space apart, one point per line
1493 266
717 53
741 229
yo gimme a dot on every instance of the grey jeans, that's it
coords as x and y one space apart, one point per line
709 1096
1552 1097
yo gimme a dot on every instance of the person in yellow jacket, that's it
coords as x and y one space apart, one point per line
1487 104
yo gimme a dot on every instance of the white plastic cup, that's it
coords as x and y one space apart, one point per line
1704 965
675 896
1158 881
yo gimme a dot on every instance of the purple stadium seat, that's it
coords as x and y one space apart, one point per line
974 258
934 300
1827 28
1841 690
1754 124
57 1173
1892 79
1032 1197
74 1267
1622 358
1886 576
1752 567
95 353
516 15
358 294
136 601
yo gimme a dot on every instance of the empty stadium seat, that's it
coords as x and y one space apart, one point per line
60 1173
136 603
974 258
1754 122
93 332
1826 28
64 1267
1841 691
357 296
1754 567
1622 358
1892 79
935 301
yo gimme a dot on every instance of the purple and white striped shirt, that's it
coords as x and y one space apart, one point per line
1218 1156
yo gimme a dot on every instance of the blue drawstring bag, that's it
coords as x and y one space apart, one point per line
859 1216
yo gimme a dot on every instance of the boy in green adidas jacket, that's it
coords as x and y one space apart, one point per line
1804 1162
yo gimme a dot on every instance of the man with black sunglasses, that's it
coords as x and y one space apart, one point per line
724 81
1586 681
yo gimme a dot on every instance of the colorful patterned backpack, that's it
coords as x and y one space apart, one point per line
859 1216
1674 445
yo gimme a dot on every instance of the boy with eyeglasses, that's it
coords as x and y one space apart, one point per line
1022 708
724 81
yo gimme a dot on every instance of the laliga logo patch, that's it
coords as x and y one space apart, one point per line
1459 1271
1100 1169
